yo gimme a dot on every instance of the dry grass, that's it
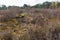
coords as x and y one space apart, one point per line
31 24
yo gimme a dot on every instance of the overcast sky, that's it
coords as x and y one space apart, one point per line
21 2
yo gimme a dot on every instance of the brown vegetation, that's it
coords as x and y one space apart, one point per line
30 24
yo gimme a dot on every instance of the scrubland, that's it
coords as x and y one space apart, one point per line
30 24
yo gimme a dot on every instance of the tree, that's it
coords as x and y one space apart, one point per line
37 6
0 8
3 7
58 4
26 6
43 5
46 4
54 4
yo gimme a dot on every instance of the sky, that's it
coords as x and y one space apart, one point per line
22 2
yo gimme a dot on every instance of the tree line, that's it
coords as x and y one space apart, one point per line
43 5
